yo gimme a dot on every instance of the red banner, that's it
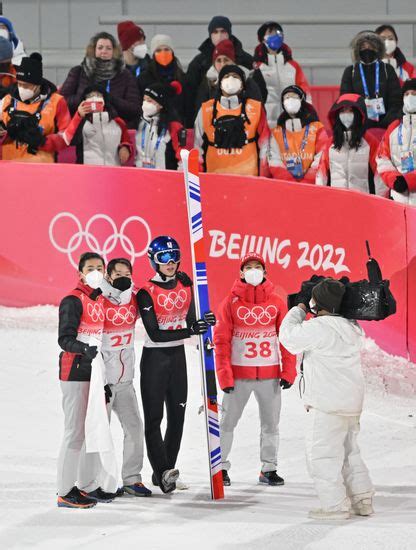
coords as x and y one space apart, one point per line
50 214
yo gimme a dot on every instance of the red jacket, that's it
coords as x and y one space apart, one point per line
246 336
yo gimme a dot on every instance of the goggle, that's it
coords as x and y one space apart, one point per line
165 256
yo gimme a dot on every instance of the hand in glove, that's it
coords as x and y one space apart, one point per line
228 390
400 184
90 352
108 393
210 318
284 384
199 327
184 279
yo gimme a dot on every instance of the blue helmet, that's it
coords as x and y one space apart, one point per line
162 250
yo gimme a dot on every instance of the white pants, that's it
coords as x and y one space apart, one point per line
124 403
334 461
268 396
75 466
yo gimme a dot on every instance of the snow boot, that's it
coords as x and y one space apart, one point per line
137 490
226 478
363 507
271 478
75 499
168 481
319 513
100 496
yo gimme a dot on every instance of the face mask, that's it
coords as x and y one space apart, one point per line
140 51
409 103
292 105
231 85
149 109
312 306
368 56
347 119
254 276
274 42
164 58
391 45
122 283
94 278
25 93
4 33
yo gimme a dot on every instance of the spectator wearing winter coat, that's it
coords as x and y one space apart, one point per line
101 136
376 81
334 394
276 69
164 68
103 65
34 115
223 54
7 70
219 28
397 151
133 43
349 157
394 56
231 131
297 142
160 135
7 31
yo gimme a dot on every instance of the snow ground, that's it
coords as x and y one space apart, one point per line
251 516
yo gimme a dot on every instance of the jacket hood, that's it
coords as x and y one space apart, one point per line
7 23
347 334
354 101
372 38
252 294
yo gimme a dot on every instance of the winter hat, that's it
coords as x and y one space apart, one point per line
30 70
6 50
372 38
227 69
160 40
328 295
261 31
409 85
219 22
355 101
296 89
252 256
163 93
225 47
129 33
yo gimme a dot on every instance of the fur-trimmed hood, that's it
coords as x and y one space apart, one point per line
372 38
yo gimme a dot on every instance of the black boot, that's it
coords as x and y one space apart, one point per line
271 478
226 478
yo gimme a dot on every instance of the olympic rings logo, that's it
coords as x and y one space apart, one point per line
257 315
92 241
96 313
120 316
172 300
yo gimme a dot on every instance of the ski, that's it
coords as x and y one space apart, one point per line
209 386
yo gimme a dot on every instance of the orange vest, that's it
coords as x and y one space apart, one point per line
294 141
242 161
47 121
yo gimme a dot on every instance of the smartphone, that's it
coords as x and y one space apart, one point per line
96 106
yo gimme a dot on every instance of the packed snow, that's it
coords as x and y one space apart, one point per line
251 516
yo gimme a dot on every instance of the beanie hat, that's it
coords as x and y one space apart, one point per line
219 22
30 70
227 69
252 256
163 93
295 89
328 295
6 50
129 33
160 40
225 47
409 85
261 31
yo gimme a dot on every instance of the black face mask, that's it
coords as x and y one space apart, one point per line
122 283
368 56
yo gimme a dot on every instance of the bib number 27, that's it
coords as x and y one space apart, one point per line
121 340
255 349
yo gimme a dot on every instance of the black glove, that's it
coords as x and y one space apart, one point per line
400 184
199 327
228 390
303 298
90 352
210 318
108 393
284 384
184 279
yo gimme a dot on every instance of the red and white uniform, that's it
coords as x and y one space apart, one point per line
171 309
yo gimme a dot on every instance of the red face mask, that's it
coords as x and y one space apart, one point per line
164 57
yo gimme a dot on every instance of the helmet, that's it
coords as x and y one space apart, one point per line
162 250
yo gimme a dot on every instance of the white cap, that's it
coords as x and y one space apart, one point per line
160 40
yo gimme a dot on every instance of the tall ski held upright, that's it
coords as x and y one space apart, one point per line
209 387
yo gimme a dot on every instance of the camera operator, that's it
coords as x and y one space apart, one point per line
334 393
33 115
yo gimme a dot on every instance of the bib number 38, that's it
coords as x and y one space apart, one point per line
255 349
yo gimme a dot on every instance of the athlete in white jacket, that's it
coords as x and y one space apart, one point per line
334 393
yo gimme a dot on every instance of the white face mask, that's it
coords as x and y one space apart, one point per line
312 306
140 51
149 109
347 119
391 45
409 103
231 85
25 94
4 33
254 276
292 105
94 278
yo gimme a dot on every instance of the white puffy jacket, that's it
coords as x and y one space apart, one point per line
101 140
334 382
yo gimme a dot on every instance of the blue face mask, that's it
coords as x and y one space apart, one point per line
274 41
